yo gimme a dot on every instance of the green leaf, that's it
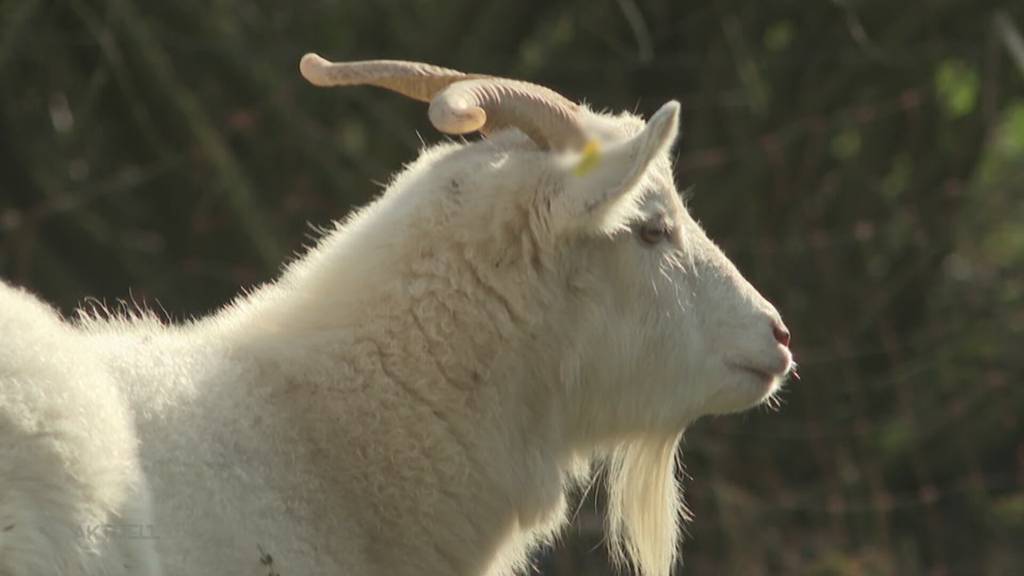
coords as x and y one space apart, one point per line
898 179
846 144
778 36
1009 510
896 437
1011 133
956 84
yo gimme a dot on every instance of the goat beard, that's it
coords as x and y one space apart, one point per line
645 504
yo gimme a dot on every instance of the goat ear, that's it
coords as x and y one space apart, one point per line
600 185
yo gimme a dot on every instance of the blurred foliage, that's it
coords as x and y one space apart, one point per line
956 85
861 161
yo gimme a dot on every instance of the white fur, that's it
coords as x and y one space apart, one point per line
415 395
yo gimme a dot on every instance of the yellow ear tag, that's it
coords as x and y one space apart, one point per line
589 158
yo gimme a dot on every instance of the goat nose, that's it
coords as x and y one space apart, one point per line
781 333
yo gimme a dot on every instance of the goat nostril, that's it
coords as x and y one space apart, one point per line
781 334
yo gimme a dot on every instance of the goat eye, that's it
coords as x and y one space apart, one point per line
654 232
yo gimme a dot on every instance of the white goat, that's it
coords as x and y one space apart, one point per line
418 393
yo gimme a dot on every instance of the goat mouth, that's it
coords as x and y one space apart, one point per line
767 373
764 376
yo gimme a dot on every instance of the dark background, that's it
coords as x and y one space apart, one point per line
861 162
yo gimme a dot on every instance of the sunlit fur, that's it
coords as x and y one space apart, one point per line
644 504
417 394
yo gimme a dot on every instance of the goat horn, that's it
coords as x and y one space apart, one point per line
461 103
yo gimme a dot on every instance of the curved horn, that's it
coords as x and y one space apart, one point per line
548 118
461 103
411 79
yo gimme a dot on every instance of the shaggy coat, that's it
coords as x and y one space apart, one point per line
415 395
